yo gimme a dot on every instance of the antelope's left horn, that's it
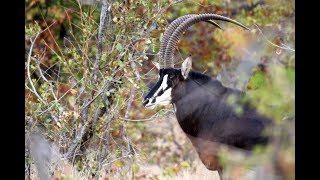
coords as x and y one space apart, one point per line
174 38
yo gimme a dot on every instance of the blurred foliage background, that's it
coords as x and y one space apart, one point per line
88 66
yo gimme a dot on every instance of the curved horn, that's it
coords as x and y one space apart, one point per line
168 55
167 35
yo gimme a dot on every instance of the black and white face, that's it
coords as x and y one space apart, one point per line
160 94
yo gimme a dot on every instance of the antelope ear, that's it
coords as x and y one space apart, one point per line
186 67
157 65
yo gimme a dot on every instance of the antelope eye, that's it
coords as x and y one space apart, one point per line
171 76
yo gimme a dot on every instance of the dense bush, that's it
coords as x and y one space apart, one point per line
88 66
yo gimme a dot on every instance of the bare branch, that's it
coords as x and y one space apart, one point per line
105 86
44 78
29 61
57 100
94 98
76 141
286 47
147 119
104 10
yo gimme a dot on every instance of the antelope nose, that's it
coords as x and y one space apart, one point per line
145 101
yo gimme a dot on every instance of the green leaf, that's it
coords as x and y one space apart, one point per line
119 47
257 80
48 120
135 168
101 105
60 108
104 57
185 165
118 152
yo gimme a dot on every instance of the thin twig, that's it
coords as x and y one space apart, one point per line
94 98
76 141
99 93
59 57
129 102
286 47
147 119
124 127
52 36
44 78
84 111
28 64
57 100
116 159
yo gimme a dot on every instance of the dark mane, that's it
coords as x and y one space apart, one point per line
202 79
196 75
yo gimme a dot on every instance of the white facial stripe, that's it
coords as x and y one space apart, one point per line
163 85
164 98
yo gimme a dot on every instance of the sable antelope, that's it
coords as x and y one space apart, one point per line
201 102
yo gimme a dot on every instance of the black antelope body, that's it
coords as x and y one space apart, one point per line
201 102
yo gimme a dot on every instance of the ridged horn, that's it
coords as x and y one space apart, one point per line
174 38
167 34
